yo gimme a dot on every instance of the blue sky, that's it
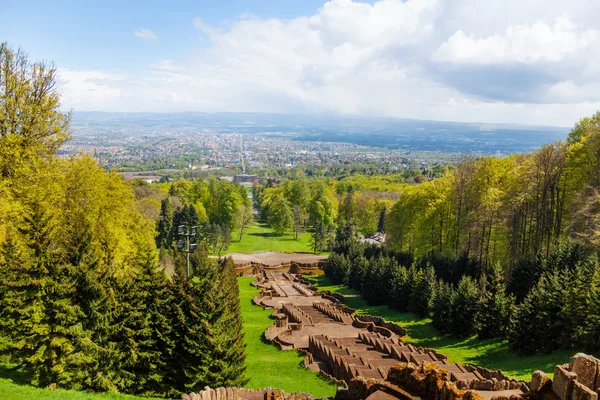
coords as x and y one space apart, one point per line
523 61
99 34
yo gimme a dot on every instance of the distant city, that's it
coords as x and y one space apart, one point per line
134 142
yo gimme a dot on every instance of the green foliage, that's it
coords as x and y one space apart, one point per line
496 308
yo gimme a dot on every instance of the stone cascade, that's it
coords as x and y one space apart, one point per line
371 355
302 289
296 314
278 290
334 313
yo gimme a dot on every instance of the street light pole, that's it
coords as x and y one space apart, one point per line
189 247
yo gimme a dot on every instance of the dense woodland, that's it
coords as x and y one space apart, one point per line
83 302
499 247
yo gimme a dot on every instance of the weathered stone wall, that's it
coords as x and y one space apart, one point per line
397 329
407 381
578 380
247 394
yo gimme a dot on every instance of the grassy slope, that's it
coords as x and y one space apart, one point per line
489 353
259 237
267 365
13 386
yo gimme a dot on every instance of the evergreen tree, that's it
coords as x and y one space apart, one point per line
424 295
228 348
165 224
465 308
47 337
381 220
191 361
398 298
538 327
496 308
415 275
443 308
146 343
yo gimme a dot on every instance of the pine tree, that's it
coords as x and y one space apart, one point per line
145 344
165 224
425 292
415 275
537 326
496 308
191 360
228 348
465 308
398 298
47 337
443 307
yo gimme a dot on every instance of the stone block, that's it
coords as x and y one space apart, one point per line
562 384
586 368
582 392
538 380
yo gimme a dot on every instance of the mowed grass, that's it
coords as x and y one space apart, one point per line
488 353
259 236
267 365
13 386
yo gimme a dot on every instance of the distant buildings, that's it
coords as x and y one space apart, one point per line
376 239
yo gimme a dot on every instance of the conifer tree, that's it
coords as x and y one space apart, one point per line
424 295
537 326
165 224
414 279
47 339
496 308
146 343
465 308
228 348
443 307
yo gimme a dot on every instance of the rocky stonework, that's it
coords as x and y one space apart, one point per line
578 380
427 381
246 394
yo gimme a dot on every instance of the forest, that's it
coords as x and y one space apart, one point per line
84 303
498 247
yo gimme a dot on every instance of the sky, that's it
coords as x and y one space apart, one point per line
511 61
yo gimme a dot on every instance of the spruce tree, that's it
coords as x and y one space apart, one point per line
47 337
443 307
226 336
465 308
424 295
165 224
538 327
496 307
191 360
414 279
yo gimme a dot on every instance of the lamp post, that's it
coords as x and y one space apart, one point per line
187 247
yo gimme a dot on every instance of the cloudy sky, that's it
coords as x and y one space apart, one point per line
523 61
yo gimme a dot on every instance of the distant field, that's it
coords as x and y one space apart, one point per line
260 237
267 365
489 353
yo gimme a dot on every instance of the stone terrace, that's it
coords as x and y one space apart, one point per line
346 348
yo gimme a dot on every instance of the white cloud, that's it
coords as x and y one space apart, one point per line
432 59
539 42
145 34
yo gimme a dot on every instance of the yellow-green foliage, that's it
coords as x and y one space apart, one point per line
501 209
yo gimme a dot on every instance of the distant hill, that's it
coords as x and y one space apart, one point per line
390 133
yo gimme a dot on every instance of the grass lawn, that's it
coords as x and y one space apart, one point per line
259 236
488 353
267 365
13 386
